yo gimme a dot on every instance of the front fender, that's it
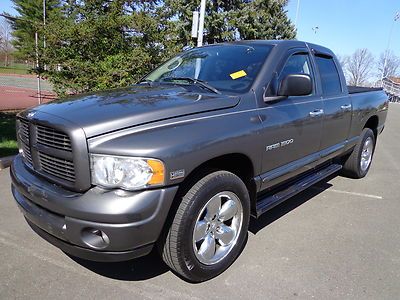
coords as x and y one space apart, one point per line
184 144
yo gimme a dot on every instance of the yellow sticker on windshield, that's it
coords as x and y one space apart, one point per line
238 74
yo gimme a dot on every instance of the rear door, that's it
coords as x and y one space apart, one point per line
292 126
337 105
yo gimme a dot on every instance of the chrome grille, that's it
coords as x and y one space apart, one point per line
24 129
49 160
53 138
27 154
57 167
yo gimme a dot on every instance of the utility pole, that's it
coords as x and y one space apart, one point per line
297 14
44 22
396 17
201 23
37 68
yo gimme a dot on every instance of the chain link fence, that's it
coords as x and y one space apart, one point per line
20 91
392 87
19 88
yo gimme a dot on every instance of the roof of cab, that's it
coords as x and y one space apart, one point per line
283 43
265 42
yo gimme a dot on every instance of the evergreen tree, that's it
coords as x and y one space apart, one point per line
99 44
264 19
232 20
30 20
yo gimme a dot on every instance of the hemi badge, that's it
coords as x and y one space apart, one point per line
177 174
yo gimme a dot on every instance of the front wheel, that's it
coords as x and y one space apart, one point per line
209 228
358 163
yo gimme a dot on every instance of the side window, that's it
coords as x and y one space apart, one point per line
297 64
329 76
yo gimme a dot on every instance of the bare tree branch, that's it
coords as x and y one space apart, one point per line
343 60
388 64
5 40
359 66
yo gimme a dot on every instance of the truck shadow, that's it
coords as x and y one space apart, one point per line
150 266
139 269
287 206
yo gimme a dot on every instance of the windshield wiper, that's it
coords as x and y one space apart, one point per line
199 82
146 81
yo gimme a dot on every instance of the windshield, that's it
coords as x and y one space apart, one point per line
230 68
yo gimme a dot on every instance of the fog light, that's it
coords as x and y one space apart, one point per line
95 238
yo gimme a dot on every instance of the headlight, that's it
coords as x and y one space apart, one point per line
128 173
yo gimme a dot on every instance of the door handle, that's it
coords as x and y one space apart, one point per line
316 113
346 106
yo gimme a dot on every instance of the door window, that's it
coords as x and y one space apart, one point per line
298 63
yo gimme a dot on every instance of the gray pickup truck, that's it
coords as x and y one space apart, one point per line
183 159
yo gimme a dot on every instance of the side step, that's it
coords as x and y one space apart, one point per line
265 204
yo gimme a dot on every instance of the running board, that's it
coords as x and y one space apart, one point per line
265 204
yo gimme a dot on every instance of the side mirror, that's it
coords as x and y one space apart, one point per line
295 85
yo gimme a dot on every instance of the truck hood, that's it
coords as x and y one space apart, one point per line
102 112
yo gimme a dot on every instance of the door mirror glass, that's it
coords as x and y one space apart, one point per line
295 85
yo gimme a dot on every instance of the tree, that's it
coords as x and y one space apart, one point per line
359 67
388 64
102 44
232 20
343 59
29 20
5 40
264 19
98 44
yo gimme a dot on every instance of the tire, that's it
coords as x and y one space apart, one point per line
358 163
205 259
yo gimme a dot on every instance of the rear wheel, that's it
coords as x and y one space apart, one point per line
209 229
358 163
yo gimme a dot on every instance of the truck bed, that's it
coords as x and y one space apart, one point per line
361 89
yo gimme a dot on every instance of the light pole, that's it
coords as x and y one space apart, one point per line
396 17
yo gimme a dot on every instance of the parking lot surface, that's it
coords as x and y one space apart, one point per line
338 240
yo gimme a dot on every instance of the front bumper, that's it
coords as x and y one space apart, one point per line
96 225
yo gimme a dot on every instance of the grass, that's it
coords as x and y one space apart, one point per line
8 143
15 69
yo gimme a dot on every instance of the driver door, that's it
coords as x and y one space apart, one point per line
292 126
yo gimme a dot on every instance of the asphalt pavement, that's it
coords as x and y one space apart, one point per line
338 240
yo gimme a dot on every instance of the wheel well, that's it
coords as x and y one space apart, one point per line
236 163
372 124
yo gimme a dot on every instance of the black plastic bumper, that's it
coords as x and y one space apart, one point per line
127 224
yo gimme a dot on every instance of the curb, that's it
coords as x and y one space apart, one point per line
5 162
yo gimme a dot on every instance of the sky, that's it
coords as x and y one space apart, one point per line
344 25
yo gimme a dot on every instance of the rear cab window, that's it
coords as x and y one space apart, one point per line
330 80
